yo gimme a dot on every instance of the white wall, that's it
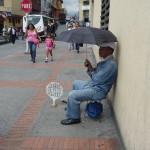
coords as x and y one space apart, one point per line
130 22
96 23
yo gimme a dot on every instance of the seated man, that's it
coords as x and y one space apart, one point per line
97 88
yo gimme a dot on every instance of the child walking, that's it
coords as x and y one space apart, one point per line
49 46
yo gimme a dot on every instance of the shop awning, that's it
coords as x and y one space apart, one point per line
5 14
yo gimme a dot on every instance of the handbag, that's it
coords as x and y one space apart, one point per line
81 44
35 41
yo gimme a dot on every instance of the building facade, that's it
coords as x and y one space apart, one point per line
86 11
45 7
56 7
129 98
10 14
36 6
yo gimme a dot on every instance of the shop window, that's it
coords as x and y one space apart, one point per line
1 2
13 21
18 21
105 14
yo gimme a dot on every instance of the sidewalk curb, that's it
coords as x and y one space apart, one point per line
4 42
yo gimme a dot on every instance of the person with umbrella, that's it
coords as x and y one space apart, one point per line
97 88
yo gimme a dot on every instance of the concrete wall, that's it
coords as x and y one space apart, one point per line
130 22
80 10
7 3
16 7
96 23
81 17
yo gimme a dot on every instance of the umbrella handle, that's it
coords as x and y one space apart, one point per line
86 51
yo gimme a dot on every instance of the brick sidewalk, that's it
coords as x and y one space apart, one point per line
17 136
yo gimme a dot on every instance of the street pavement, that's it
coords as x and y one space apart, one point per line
27 122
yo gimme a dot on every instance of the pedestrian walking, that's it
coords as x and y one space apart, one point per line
4 30
12 34
22 34
32 35
55 28
77 44
51 29
49 47
71 27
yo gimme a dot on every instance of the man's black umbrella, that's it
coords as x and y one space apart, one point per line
87 35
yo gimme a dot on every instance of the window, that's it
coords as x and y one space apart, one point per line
86 3
18 21
33 19
13 21
44 3
105 14
9 20
1 2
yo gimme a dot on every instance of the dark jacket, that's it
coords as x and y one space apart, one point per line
51 28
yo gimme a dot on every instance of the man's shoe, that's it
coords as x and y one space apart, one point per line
70 121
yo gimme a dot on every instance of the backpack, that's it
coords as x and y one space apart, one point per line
94 109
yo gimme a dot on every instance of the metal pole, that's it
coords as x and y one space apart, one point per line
27 46
86 51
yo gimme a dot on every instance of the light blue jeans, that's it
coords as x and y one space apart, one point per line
79 94
32 48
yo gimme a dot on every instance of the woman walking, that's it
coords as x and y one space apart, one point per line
32 35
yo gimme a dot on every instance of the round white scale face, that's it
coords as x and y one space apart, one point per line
54 90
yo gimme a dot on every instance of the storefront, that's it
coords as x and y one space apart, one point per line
8 19
3 19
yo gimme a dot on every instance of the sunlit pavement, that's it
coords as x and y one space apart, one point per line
27 122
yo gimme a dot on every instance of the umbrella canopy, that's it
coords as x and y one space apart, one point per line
87 35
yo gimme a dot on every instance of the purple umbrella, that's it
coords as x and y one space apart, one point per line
87 35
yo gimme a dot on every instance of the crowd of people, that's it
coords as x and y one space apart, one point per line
71 26
31 34
34 39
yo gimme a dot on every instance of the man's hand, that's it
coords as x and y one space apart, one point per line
87 64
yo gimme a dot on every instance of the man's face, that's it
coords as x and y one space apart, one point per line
102 52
